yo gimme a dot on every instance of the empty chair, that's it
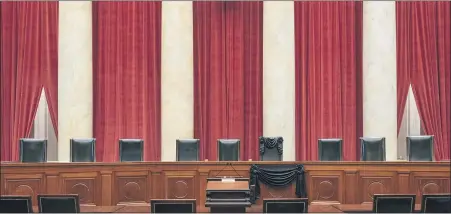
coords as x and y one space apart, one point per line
372 148
15 204
387 203
289 205
33 150
187 149
173 206
82 150
228 150
271 148
58 203
420 148
436 203
330 149
131 150
252 192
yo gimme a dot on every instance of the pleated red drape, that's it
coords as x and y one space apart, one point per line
127 66
328 51
49 54
404 56
28 63
431 76
228 75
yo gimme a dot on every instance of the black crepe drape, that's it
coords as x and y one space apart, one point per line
278 176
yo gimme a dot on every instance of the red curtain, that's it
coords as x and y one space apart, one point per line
49 54
228 75
404 56
431 78
28 56
328 51
127 66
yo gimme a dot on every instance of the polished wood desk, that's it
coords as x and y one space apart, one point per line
111 184
314 208
363 208
146 209
93 209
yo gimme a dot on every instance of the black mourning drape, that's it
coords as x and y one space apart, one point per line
278 176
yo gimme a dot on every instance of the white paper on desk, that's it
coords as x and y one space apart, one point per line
228 180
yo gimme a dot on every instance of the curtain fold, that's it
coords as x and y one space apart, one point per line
26 58
328 51
49 53
404 56
430 76
127 66
228 75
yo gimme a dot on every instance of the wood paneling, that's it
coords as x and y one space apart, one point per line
107 184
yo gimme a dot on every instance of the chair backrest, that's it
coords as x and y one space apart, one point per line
173 206
187 149
82 150
330 149
271 148
228 150
436 203
288 205
131 150
68 203
372 148
392 203
32 150
15 204
420 148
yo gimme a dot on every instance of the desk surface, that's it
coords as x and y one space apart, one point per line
313 208
367 207
93 209
219 185
146 209
111 184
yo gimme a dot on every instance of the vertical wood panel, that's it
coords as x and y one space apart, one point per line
106 188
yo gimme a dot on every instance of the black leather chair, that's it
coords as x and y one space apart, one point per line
372 148
293 205
420 148
173 206
388 203
271 148
32 150
330 149
436 203
187 149
131 150
253 194
15 204
58 203
82 150
228 150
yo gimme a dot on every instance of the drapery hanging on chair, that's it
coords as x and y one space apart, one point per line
278 176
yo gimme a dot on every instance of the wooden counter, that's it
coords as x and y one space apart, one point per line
363 208
110 184
315 208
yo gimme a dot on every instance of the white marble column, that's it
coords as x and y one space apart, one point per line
410 126
379 73
75 111
279 74
40 121
177 96
43 128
